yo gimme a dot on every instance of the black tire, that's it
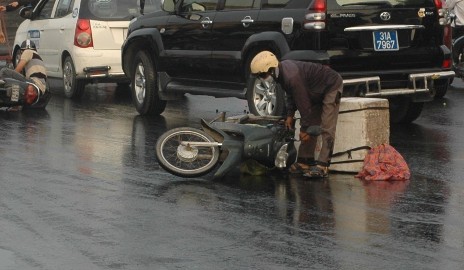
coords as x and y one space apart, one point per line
441 87
458 60
458 53
123 84
16 57
144 87
186 161
73 88
263 100
403 110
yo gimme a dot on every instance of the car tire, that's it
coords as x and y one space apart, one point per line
441 87
144 87
262 101
123 84
403 110
73 88
16 58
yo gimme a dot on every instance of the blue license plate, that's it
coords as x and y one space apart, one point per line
385 40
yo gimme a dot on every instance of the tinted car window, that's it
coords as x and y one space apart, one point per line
238 4
150 5
269 4
198 5
104 9
46 11
64 8
277 3
115 10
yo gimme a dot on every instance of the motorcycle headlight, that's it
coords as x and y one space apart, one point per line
31 95
281 157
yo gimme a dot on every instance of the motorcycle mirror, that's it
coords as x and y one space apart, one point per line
314 130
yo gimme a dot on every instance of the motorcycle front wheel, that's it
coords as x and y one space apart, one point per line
183 159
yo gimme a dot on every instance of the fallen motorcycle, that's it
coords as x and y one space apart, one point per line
18 93
192 152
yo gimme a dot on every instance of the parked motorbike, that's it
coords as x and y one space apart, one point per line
190 152
18 93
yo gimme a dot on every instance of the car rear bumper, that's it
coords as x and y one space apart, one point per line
100 72
419 83
91 63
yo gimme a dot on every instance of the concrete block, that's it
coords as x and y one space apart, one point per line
361 122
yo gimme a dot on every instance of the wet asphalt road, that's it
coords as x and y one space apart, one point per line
80 188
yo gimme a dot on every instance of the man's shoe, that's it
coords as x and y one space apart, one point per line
317 171
299 168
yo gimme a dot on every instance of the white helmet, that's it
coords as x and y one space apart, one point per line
263 61
28 45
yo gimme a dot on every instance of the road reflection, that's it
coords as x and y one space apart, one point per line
89 170
344 205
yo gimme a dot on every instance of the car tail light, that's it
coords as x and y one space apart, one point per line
447 36
83 34
446 63
445 20
31 94
443 15
315 17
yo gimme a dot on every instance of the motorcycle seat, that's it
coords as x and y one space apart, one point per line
249 131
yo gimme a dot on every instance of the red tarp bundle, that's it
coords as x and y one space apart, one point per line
383 162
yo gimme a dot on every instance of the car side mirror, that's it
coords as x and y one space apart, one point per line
168 5
26 12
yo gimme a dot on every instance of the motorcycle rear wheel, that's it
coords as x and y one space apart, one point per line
186 161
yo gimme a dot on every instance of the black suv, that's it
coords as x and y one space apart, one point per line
397 49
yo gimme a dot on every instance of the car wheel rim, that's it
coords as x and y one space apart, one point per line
460 58
18 58
67 77
264 97
139 83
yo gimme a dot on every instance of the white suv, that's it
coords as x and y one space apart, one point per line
80 40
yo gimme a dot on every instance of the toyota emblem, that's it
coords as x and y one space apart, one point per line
385 16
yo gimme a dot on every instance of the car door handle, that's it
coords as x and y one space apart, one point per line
247 21
206 22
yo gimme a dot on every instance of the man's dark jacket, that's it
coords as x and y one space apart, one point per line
306 83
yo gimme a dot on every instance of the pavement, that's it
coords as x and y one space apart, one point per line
80 188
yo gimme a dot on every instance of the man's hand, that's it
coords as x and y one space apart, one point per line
2 38
289 122
2 8
14 4
304 137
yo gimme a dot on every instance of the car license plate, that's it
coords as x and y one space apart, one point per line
385 40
